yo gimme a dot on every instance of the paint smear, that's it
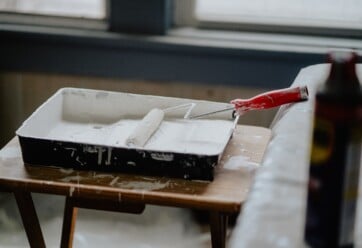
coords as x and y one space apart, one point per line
10 152
148 186
66 171
239 162
72 178
114 181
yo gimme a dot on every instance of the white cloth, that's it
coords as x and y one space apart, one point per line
274 214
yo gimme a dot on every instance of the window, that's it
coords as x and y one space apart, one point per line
65 13
131 16
94 9
332 17
198 53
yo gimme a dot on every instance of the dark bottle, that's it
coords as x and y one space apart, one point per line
335 156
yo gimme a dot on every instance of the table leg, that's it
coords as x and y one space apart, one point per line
29 218
218 227
71 208
69 219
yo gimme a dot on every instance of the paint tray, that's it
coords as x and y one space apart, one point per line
87 129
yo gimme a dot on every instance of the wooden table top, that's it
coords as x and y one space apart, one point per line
226 193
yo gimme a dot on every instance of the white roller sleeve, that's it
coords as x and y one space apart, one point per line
145 128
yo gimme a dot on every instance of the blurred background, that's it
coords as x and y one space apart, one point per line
202 49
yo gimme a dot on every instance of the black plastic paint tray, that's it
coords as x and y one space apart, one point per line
87 129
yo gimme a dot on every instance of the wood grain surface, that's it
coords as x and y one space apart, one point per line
226 193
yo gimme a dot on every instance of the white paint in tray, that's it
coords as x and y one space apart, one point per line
107 119
179 135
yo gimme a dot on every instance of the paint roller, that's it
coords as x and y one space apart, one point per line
150 123
144 130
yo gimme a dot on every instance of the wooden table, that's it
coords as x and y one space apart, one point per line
130 193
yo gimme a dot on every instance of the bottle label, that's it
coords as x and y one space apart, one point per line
323 141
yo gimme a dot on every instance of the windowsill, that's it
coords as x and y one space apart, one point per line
204 38
265 41
32 21
185 54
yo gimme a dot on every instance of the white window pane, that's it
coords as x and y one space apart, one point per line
94 9
338 13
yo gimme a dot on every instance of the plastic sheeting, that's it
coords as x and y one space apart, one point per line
274 213
157 227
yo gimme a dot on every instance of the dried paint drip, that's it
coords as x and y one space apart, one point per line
71 191
145 128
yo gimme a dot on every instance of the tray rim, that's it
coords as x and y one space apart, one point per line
19 132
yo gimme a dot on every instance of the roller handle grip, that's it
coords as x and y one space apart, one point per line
271 99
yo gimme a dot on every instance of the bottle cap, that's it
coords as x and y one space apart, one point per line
342 56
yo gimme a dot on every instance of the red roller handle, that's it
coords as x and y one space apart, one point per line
271 99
